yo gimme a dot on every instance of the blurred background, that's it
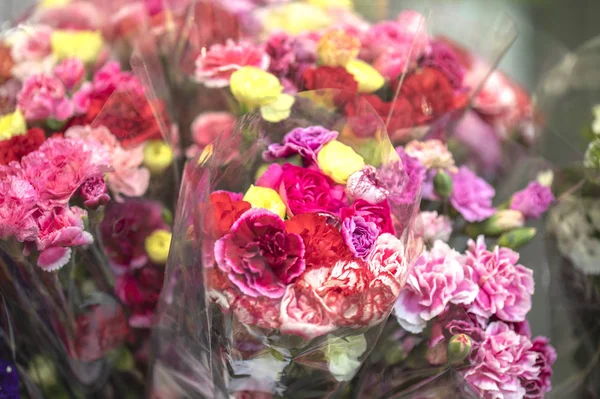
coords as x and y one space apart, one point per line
547 31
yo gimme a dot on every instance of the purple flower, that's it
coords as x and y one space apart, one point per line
403 179
304 141
505 287
359 235
445 59
438 278
94 192
532 201
501 362
471 196
281 49
258 256
546 356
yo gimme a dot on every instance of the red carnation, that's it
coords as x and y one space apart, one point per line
323 242
17 147
325 77
225 211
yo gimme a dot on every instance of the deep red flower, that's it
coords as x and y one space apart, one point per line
224 210
325 77
323 242
17 147
140 292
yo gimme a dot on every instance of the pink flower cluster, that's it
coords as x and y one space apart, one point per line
330 262
44 97
486 295
34 200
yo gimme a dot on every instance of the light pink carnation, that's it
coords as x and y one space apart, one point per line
207 127
43 97
432 227
59 229
70 72
505 287
18 199
501 361
127 176
110 77
431 154
215 66
60 166
304 313
82 98
438 278
31 44
389 254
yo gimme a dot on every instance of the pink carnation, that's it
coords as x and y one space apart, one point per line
43 97
389 254
432 227
365 184
215 66
207 128
532 201
471 195
59 229
438 278
127 176
18 200
258 256
304 313
546 356
60 166
501 362
110 77
505 287
31 44
82 98
94 193
70 72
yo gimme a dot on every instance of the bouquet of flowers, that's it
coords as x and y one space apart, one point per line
86 156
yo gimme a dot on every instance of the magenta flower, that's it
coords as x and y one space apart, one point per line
110 77
59 229
82 98
60 166
471 196
18 200
306 142
359 235
44 97
70 72
140 291
501 362
215 66
438 278
271 177
281 49
378 213
443 57
258 256
124 229
505 287
94 192
546 356
532 201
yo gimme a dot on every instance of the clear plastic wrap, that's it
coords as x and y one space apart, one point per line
212 340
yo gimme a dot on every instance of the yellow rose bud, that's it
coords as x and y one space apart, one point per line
332 3
294 18
157 246
266 198
12 125
254 87
369 79
84 45
158 155
339 161
337 48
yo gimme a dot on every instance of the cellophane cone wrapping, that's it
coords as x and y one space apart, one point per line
214 341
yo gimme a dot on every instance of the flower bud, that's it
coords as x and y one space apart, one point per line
158 155
459 347
504 220
517 238
337 48
442 183
436 354
157 246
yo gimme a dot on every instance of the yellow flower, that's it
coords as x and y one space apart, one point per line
294 18
254 87
12 125
85 45
158 155
339 161
157 246
331 3
369 79
337 48
278 110
52 3
266 198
